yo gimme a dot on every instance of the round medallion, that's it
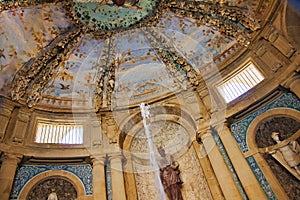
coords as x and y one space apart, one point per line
115 14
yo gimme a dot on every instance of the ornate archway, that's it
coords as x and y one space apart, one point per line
66 186
260 139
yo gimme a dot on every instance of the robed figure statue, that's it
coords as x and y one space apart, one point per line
169 174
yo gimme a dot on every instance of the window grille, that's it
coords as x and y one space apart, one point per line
54 133
240 83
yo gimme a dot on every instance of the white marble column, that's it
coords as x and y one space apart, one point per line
99 184
219 166
241 166
118 187
7 173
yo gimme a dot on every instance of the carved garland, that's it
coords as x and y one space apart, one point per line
35 74
101 71
175 63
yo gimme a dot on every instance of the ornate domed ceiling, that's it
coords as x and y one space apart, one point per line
103 53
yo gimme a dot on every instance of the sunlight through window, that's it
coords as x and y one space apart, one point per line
54 133
240 83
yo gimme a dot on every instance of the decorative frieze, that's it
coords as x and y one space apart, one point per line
279 41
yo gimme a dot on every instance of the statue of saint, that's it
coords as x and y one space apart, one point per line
52 195
169 174
289 151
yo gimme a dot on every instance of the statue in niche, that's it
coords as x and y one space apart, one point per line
54 188
288 131
289 153
169 174
52 195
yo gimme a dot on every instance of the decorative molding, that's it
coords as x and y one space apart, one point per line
26 172
239 129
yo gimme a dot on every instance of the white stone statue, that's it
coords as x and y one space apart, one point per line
52 195
289 152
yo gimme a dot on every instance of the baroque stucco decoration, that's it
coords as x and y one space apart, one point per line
34 77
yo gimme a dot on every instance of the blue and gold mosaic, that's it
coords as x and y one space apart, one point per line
26 172
239 130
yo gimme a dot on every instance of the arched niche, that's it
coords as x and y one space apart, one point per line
53 174
250 137
168 112
279 174
174 133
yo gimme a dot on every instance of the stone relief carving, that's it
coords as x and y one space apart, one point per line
191 175
145 184
194 180
277 138
165 134
98 94
52 189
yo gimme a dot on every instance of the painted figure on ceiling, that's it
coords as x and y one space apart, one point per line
169 174
121 3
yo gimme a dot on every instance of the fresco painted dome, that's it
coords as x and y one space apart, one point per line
106 55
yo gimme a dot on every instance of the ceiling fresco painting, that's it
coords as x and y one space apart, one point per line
198 44
137 51
21 39
138 58
105 15
76 76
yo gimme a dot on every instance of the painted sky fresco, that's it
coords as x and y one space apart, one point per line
198 44
140 75
76 77
21 39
